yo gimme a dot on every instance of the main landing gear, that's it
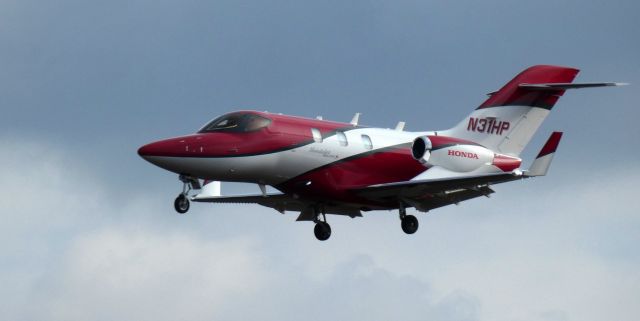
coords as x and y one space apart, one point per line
322 230
409 223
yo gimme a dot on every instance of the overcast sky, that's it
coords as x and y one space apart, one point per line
88 230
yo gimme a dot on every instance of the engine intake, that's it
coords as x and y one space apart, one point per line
421 149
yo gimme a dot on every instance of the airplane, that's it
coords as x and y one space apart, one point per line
324 167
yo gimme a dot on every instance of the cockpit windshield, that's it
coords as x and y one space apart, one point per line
236 123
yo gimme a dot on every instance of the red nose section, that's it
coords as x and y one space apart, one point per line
167 147
148 150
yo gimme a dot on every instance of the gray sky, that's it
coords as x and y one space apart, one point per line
88 231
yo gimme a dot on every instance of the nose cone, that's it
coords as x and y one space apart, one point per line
161 148
167 154
152 149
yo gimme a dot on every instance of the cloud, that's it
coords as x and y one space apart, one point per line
546 249
81 253
556 248
112 275
117 273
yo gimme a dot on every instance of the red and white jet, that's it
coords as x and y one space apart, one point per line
324 167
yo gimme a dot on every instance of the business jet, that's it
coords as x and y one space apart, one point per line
324 167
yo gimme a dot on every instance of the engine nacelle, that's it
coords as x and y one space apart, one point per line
421 149
457 157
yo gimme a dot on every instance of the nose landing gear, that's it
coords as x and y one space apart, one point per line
181 203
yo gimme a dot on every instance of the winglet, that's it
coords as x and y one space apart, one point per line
542 162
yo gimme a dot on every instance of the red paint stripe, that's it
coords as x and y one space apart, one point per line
511 94
335 180
506 163
439 141
551 145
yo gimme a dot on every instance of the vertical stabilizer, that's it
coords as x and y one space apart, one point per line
507 120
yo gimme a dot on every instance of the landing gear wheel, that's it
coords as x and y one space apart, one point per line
181 204
322 231
409 224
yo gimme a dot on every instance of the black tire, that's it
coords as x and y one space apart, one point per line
409 224
181 204
322 230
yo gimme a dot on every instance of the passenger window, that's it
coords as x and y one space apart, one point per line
366 140
342 139
317 136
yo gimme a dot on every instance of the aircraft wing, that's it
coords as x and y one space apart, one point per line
423 194
427 194
277 200
281 203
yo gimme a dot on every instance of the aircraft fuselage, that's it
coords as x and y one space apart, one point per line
308 157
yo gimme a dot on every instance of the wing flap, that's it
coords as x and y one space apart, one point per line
281 203
420 188
238 199
432 201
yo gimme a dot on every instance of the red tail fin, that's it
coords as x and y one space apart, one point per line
513 95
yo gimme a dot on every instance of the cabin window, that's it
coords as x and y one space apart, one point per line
342 139
366 141
317 136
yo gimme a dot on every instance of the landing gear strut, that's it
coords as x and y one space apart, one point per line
322 230
409 223
181 204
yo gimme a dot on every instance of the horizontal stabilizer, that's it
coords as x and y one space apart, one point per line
565 86
542 162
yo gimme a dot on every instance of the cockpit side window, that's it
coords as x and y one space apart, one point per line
255 122
236 123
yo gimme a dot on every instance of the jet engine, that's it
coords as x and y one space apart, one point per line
421 149
458 156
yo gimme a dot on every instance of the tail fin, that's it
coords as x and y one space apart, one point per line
540 166
507 120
